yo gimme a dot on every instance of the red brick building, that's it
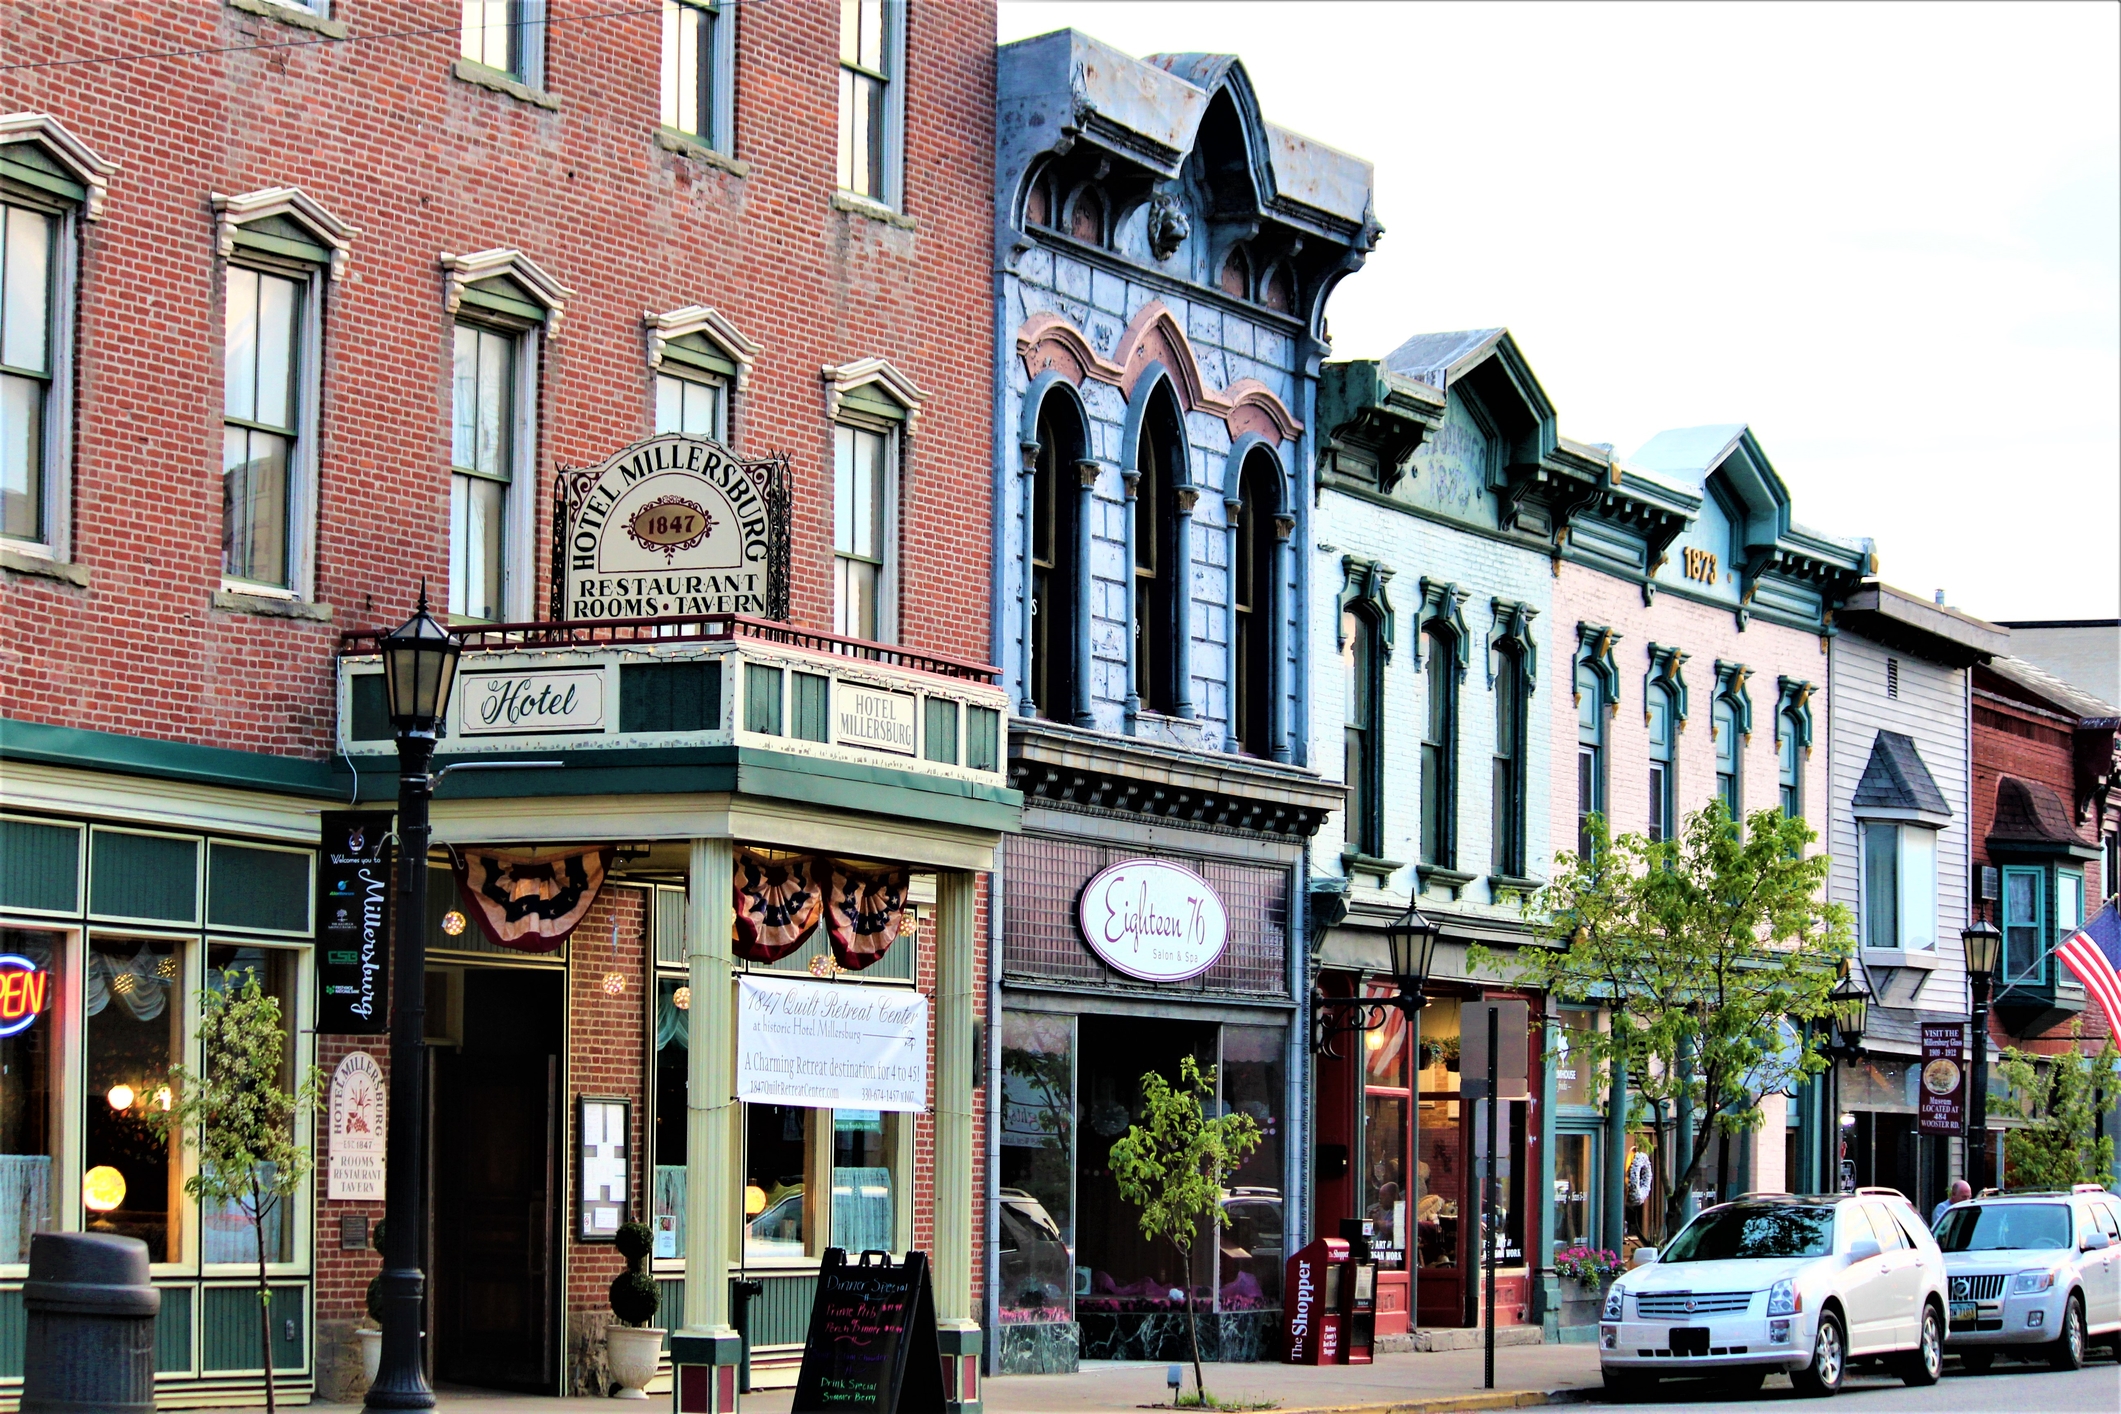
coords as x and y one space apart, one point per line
308 302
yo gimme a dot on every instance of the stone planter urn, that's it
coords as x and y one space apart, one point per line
634 1352
371 1343
1582 1302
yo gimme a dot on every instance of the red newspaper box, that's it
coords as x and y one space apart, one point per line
1311 1303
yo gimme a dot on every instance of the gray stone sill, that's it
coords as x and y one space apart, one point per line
686 145
875 210
1515 883
235 601
1354 862
49 568
483 77
290 15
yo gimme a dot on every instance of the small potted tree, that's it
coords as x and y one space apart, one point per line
633 1344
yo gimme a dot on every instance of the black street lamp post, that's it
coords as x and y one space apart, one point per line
419 665
1849 1004
1412 942
1984 947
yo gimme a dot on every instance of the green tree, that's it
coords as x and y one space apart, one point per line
239 1116
2058 1097
1173 1166
1700 946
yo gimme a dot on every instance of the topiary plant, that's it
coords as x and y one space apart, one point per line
634 1293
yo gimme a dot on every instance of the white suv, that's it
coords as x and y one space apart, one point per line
1774 1282
2035 1273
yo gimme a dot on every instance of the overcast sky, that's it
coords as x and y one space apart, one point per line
1887 237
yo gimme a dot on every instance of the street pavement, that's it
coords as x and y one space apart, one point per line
2006 1389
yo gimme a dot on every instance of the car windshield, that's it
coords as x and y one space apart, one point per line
1991 1228
1754 1230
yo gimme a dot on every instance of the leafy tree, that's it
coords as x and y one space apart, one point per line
239 1117
2058 1097
1173 1166
1700 946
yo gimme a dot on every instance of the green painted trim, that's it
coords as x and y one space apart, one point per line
280 245
699 358
881 790
477 298
79 749
42 180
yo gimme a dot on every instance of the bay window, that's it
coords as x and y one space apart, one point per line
1899 886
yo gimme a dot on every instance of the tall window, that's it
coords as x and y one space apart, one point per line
1590 755
1252 606
865 81
261 396
1158 563
689 66
27 250
689 405
482 468
2024 933
1055 495
500 35
1364 761
1724 726
1506 855
1881 886
1439 750
1663 759
859 500
1789 768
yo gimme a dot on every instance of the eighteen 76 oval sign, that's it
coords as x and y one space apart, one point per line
1153 920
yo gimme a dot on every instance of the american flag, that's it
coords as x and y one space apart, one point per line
2093 952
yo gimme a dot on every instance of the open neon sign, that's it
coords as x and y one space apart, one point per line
22 990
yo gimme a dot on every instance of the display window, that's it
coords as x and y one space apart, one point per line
29 1128
133 1002
1575 1183
225 1233
1035 1221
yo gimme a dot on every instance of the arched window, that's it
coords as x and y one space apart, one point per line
1055 501
1086 219
1038 201
1439 747
1506 854
1789 753
1664 756
1253 605
1724 726
1159 565
1590 753
1236 277
1363 764
1277 292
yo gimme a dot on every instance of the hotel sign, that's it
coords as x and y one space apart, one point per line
672 527
875 717
530 702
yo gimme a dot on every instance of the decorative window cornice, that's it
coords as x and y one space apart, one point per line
866 372
1441 599
464 271
711 325
1594 650
1731 679
1513 624
1793 709
1666 666
1363 583
233 213
90 171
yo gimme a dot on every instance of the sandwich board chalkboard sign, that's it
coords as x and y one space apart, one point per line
872 1344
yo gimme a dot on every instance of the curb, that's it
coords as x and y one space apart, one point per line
1451 1403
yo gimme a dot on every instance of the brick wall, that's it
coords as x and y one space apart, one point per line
384 137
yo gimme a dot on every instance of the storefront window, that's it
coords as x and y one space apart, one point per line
1508 1219
864 1215
1575 1076
1385 1107
1253 1084
1575 1171
777 1221
28 1135
133 1000
226 1232
1036 1235
1439 1153
667 1201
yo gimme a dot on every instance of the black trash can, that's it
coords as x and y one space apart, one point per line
91 1308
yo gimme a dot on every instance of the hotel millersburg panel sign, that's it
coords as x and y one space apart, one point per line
672 527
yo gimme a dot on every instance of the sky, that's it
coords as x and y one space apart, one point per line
1887 237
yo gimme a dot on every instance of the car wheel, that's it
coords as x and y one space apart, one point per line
2067 1353
1924 1365
1624 1386
1822 1378
1976 1362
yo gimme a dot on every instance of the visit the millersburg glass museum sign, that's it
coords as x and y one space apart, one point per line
672 527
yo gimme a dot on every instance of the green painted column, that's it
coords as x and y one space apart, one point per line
1614 1227
713 1182
1683 1122
1547 1287
957 1221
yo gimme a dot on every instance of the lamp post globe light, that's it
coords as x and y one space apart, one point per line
419 667
1849 1009
1410 942
1984 950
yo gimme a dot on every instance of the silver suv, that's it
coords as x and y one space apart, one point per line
2037 1274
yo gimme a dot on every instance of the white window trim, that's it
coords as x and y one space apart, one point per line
463 271
844 378
717 328
93 173
1909 903
232 213
519 555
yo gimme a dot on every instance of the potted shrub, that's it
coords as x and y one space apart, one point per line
635 1347
1585 1274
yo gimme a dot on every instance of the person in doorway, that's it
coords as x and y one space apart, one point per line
1960 1192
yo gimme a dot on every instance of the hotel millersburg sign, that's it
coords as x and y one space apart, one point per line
672 527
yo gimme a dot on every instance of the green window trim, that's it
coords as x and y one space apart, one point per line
762 699
694 351
2037 974
40 865
939 731
475 298
285 247
136 871
258 888
872 400
37 175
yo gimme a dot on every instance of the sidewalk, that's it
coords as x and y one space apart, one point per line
1396 1384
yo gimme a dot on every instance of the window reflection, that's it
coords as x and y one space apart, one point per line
133 1002
28 1135
225 1232
667 1201
1036 1234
